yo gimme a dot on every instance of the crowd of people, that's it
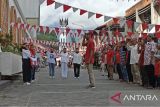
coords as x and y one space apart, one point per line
31 62
136 61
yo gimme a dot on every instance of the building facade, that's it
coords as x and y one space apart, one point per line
19 11
145 11
4 12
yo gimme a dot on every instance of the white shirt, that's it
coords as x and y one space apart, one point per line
64 57
134 54
77 58
26 54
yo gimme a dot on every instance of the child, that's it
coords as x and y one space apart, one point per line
110 55
34 64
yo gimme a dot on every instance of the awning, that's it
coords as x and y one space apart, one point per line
145 9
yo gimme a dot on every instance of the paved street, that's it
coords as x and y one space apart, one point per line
70 92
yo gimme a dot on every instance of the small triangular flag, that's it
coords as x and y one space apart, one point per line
82 12
67 31
66 7
57 31
47 30
106 18
49 2
136 25
129 23
79 31
122 22
157 28
90 14
74 9
144 26
98 15
150 26
57 5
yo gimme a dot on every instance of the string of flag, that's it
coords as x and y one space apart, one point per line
83 11
80 32
50 43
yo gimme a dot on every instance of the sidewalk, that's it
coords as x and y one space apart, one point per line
69 92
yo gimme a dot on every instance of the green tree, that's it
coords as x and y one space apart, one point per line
47 37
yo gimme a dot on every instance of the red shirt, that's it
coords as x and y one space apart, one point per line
33 52
90 46
118 57
110 55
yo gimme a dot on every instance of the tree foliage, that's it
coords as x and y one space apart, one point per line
47 37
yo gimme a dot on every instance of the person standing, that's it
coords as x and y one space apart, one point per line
89 57
144 76
51 62
34 64
134 57
117 54
77 60
150 48
110 55
157 67
64 63
103 63
123 55
26 65
128 65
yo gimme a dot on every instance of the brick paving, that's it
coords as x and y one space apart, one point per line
47 92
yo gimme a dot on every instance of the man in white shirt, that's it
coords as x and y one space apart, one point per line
64 63
77 60
133 47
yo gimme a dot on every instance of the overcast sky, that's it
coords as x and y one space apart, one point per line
50 17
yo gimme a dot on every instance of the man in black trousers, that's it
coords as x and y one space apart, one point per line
26 65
